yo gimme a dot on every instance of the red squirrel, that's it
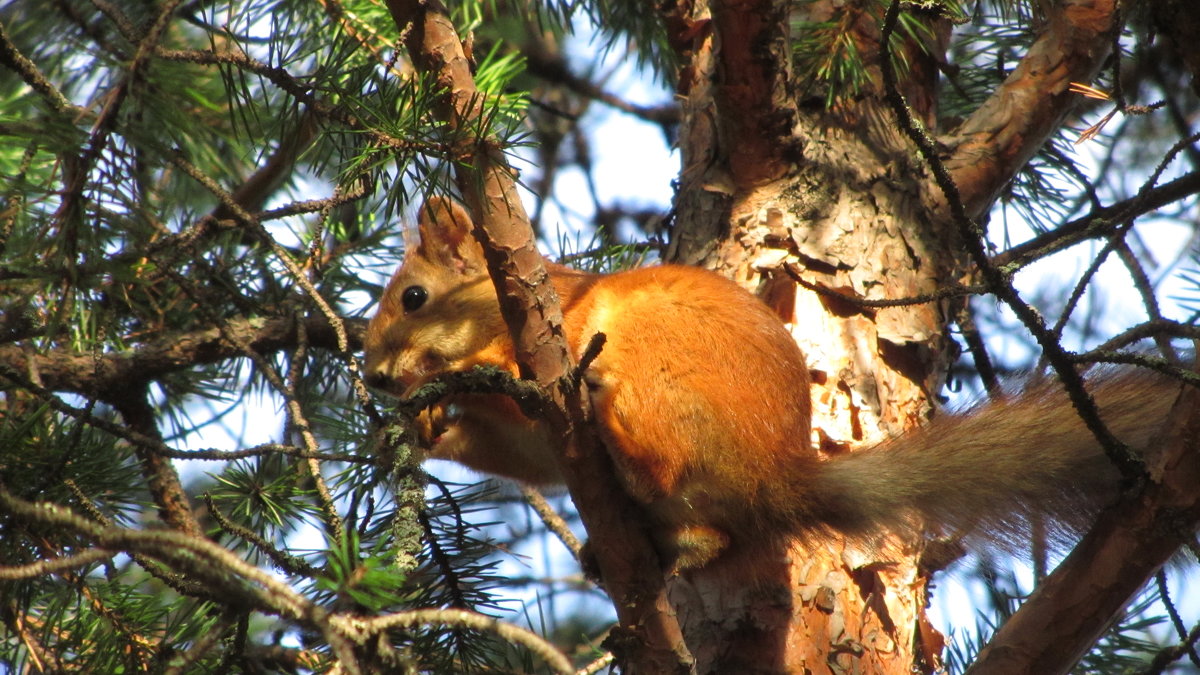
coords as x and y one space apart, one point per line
701 397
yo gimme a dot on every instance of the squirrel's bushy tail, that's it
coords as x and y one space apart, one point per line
992 468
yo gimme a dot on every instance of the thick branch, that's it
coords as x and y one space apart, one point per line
988 149
633 576
1136 536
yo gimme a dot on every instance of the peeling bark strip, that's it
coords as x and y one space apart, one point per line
649 639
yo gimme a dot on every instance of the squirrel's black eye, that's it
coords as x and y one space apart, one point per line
413 297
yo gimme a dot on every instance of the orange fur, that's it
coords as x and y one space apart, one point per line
702 399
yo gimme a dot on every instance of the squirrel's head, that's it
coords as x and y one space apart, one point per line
439 312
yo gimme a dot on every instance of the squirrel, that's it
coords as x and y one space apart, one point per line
701 397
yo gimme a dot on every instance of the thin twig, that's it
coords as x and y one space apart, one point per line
201 647
159 447
13 58
551 519
332 519
1099 223
303 93
597 665
1181 630
49 566
1169 655
955 291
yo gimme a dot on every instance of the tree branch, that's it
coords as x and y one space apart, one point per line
362 628
551 65
162 479
997 281
100 375
1070 610
988 149
1101 222
653 641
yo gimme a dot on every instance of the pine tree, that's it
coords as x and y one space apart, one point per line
200 200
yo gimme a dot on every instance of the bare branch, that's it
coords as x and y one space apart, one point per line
100 375
553 521
551 65
162 479
54 565
1100 222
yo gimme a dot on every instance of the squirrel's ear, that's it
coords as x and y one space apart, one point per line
445 230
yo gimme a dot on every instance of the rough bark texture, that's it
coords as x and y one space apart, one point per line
109 376
840 195
835 193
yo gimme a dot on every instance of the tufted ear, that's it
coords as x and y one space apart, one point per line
445 230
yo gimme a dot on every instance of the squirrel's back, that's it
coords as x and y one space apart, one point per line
700 394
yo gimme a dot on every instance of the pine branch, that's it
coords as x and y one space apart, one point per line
361 629
1001 135
288 563
155 445
303 93
1101 222
105 375
241 582
14 60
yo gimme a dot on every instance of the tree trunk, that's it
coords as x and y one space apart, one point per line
772 180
